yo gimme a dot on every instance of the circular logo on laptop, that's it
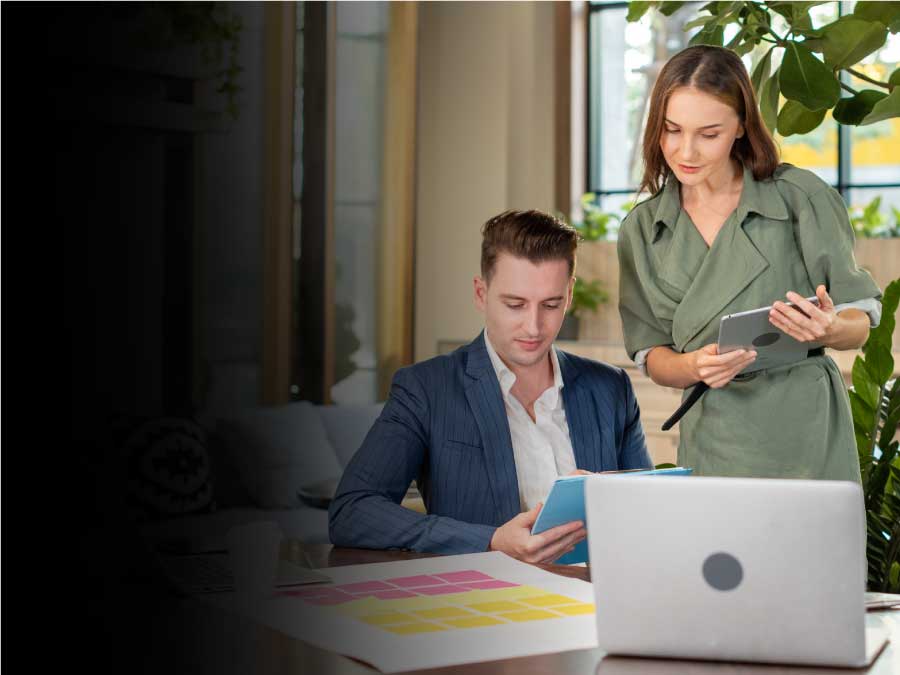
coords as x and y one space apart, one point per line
722 571
766 339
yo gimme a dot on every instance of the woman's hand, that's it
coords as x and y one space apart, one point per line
716 369
805 322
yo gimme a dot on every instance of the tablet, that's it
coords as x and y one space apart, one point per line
752 330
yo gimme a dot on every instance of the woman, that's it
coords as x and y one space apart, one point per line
728 229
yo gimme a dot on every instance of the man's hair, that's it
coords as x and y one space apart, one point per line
533 235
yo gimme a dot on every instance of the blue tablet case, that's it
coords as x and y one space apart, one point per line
565 503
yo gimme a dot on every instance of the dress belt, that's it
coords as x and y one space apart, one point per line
700 388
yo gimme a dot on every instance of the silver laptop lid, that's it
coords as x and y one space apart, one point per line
729 568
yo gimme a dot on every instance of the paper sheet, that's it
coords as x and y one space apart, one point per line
435 612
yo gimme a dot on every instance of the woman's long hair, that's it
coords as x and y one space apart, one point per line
721 73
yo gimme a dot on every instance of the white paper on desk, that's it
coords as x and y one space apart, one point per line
538 612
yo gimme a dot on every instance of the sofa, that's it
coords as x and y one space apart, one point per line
278 463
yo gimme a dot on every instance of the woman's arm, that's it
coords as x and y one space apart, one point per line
669 368
848 329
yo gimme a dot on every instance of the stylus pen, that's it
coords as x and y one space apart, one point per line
698 391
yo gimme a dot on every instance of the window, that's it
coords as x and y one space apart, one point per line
623 61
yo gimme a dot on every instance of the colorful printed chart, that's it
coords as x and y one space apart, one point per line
432 612
453 600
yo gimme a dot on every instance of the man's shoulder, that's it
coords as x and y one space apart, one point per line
596 372
437 366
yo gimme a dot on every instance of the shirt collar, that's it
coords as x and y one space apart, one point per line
760 197
507 377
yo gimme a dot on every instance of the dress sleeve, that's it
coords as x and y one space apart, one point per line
640 326
826 240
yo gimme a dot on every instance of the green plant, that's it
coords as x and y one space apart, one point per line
875 401
587 296
868 221
810 84
212 26
598 224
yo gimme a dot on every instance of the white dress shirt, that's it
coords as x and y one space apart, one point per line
542 448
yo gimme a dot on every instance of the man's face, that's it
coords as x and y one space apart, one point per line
524 305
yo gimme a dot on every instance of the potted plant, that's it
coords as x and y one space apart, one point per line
587 296
875 401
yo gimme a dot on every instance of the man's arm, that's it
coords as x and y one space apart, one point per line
633 447
366 511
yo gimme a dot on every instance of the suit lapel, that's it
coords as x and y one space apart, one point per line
581 416
486 403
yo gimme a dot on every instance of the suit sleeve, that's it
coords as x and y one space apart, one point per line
633 452
366 510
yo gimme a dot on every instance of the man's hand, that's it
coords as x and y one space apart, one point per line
514 538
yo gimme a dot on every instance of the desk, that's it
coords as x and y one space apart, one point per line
224 643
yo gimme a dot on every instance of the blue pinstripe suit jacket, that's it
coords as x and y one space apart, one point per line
445 426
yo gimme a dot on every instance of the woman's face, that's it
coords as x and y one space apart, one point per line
698 133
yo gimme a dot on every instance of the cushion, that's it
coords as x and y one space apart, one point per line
279 449
169 471
347 426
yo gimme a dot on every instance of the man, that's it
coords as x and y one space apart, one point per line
486 430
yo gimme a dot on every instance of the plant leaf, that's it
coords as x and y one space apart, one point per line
887 13
894 79
761 72
886 108
864 415
710 35
806 79
669 8
768 100
852 110
864 386
637 9
795 118
850 39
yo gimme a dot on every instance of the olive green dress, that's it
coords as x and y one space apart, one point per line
788 233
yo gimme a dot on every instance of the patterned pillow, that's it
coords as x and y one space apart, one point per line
168 468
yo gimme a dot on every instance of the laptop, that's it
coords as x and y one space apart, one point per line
736 569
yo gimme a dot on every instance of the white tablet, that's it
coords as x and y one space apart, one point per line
752 330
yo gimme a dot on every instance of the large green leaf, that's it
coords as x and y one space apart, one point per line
883 333
669 8
879 364
768 101
761 72
710 35
795 118
806 79
849 39
886 108
894 79
862 414
853 109
797 13
864 386
887 13
637 9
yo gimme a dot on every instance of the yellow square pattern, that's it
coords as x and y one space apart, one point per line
575 610
443 613
499 606
548 600
530 615
474 622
